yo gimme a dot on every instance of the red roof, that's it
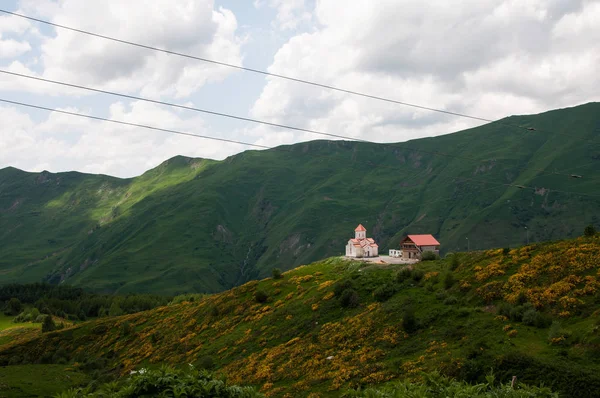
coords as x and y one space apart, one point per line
424 240
360 228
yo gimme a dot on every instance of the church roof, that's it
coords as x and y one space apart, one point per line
360 228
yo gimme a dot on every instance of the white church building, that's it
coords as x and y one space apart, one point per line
361 246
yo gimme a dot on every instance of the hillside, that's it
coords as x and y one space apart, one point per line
532 311
206 226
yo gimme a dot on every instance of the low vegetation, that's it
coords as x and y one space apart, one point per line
340 326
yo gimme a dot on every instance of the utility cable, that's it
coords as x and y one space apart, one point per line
303 81
230 116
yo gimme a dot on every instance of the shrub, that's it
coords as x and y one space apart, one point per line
349 298
429 256
277 273
454 262
590 230
126 328
403 274
450 300
506 250
260 296
167 382
384 293
206 362
48 324
341 286
13 307
449 280
409 321
417 275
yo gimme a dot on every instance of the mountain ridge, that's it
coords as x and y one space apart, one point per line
204 225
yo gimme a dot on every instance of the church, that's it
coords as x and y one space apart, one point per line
361 246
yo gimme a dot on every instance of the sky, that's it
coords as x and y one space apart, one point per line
487 58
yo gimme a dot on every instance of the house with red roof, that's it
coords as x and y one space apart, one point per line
360 245
413 246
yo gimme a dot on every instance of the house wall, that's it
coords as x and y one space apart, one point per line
395 253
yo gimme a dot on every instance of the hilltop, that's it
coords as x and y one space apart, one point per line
532 311
197 225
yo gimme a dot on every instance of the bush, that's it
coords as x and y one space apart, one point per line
349 298
429 256
206 362
506 250
126 328
277 273
590 230
384 293
409 321
341 286
436 386
167 382
450 300
403 274
532 317
449 280
13 307
417 275
260 296
48 325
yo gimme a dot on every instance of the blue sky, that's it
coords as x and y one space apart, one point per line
492 59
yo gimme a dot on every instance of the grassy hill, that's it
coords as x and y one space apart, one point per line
206 226
533 312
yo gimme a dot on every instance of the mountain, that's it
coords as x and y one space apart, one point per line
531 312
206 226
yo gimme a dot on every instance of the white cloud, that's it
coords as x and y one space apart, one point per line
290 13
486 58
10 48
187 26
61 142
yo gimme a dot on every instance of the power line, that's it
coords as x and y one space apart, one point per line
134 124
230 116
265 73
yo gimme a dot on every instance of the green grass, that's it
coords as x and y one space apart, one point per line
38 380
6 322
192 225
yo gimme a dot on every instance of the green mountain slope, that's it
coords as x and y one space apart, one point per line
533 312
200 225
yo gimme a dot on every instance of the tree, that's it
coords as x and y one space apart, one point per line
115 309
14 307
48 325
590 230
277 273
